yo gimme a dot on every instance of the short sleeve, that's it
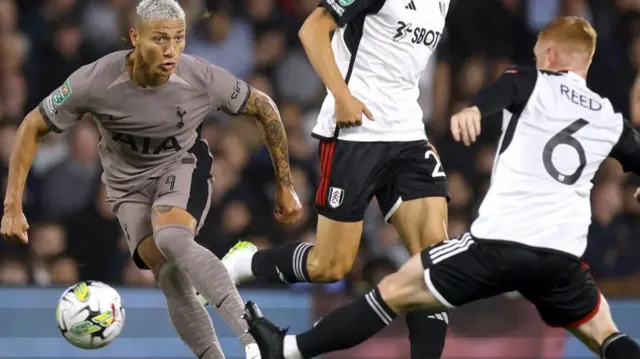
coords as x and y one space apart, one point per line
66 105
227 92
344 11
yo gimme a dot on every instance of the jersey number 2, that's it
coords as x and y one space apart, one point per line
437 169
564 137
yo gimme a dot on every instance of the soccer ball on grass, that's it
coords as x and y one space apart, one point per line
90 315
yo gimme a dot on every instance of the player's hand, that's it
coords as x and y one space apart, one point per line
288 206
14 227
349 111
637 195
465 125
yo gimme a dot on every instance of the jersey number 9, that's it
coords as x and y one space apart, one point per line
564 137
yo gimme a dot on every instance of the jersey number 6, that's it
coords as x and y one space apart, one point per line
564 137
437 169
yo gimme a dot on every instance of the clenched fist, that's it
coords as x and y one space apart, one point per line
14 227
465 125
288 207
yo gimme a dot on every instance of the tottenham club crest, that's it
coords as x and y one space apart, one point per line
336 196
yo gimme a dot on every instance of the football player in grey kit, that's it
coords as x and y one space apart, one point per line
149 104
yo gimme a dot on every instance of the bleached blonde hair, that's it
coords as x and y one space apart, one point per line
149 10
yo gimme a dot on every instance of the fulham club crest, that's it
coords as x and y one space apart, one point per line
336 196
443 9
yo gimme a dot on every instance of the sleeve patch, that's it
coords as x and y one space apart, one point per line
62 93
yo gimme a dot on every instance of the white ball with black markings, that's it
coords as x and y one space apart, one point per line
90 315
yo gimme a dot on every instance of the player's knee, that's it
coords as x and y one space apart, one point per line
395 292
170 240
406 290
150 254
166 216
327 269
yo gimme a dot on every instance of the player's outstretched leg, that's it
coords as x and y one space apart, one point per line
188 316
326 261
349 325
601 336
285 264
176 240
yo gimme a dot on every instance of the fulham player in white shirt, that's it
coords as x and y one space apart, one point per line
533 222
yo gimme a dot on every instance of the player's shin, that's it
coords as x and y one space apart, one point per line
286 264
207 275
343 328
619 346
188 316
427 332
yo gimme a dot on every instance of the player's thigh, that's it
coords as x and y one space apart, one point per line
415 200
135 221
350 173
459 270
183 193
421 222
596 329
564 292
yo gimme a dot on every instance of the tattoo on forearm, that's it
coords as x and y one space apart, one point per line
266 112
157 210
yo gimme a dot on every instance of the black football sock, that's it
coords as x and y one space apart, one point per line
619 346
347 326
427 333
285 264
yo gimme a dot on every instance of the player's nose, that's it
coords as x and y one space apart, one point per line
170 52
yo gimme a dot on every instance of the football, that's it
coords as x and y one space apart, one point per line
90 315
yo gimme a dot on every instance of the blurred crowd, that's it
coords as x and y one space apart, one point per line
73 234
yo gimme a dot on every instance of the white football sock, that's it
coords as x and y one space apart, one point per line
243 267
290 348
252 351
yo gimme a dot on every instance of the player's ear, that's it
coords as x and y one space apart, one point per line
553 55
133 37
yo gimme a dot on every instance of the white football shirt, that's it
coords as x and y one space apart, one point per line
381 48
556 133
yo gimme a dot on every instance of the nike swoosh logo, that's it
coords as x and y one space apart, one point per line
222 301
118 118
165 193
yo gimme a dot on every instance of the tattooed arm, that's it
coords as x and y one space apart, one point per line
236 97
260 106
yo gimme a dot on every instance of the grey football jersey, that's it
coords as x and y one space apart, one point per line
143 130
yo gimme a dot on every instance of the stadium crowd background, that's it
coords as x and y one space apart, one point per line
74 236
